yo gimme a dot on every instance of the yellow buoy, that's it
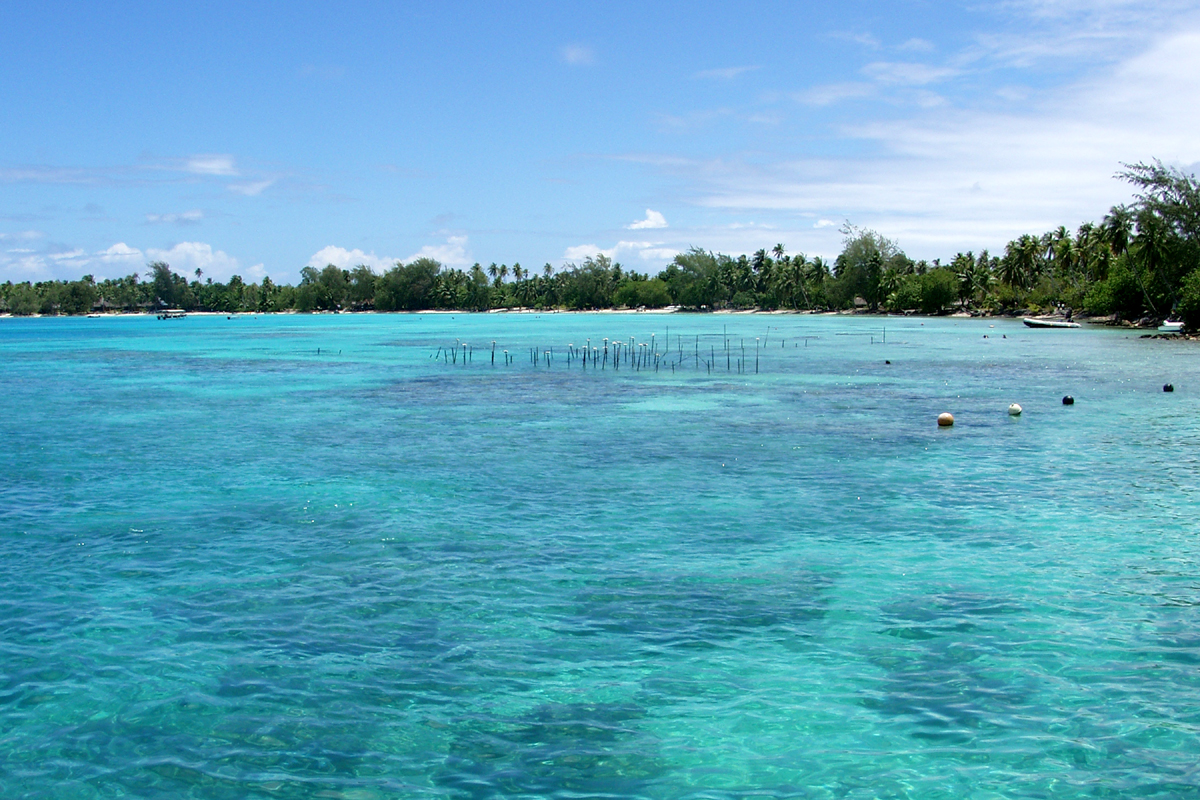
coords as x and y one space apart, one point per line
945 419
1015 410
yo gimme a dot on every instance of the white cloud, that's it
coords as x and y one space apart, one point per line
182 218
824 223
653 220
252 189
726 73
971 178
120 253
647 251
24 267
21 235
453 253
577 54
582 251
212 164
347 259
186 257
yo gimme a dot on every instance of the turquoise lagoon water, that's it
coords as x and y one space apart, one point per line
236 567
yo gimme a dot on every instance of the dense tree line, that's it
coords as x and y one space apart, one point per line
1141 260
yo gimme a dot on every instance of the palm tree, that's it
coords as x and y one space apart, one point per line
199 272
1117 228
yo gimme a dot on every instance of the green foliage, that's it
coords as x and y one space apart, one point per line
859 270
906 296
939 289
23 300
1188 310
408 288
643 294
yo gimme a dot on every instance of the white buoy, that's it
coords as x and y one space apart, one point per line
945 419
1015 410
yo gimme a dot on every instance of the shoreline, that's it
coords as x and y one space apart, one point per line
1105 321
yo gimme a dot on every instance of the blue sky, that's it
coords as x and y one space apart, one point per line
255 138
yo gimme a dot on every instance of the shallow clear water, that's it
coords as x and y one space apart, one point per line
236 567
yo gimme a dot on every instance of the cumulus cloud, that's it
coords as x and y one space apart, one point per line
653 220
577 54
212 164
187 257
647 251
453 253
182 218
346 259
120 253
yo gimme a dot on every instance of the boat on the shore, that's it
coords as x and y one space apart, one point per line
1032 322
172 314
1170 326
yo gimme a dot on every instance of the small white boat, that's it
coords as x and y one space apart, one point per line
1171 326
1049 323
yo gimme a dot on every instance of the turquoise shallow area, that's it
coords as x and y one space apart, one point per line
305 557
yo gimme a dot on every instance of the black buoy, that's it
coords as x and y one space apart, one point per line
1168 387
887 362
1068 401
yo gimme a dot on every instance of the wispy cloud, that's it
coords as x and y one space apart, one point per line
835 93
577 55
214 164
964 177
892 73
864 39
182 218
917 46
653 220
43 174
725 73
252 189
